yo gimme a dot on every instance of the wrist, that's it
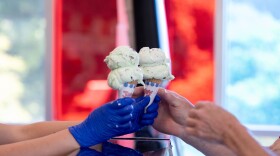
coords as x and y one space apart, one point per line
83 136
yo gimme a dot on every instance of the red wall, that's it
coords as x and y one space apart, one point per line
190 25
84 37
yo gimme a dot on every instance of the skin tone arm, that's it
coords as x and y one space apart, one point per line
172 119
59 143
16 133
211 122
172 115
125 117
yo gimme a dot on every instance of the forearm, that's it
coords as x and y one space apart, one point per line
40 129
242 143
60 143
16 133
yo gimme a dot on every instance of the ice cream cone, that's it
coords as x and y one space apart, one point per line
127 89
151 89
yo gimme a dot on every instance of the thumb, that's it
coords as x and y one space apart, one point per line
139 98
140 105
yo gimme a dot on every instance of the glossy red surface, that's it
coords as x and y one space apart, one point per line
190 28
85 33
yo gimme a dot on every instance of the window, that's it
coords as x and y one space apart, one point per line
22 87
252 50
247 78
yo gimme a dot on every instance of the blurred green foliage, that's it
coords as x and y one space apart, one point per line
23 23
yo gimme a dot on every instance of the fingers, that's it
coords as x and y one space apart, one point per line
152 108
124 126
192 122
120 103
157 99
125 111
140 105
147 122
150 116
139 98
162 92
193 113
173 99
125 119
201 104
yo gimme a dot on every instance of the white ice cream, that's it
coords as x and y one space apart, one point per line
154 64
118 77
122 56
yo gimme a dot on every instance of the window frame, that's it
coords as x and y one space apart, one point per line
49 59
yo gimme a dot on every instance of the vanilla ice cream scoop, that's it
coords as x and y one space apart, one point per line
154 64
122 56
120 76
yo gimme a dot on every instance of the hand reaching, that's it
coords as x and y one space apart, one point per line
120 117
172 113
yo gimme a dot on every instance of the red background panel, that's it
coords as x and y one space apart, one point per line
85 34
190 27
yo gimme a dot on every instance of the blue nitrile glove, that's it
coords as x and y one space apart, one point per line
115 149
89 152
110 120
141 119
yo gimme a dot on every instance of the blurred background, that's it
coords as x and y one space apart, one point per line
227 51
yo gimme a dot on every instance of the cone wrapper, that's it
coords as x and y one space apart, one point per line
127 89
151 89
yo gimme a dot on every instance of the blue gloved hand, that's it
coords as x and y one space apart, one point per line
110 120
114 149
120 117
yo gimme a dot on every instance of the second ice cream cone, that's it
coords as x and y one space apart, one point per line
151 89
127 89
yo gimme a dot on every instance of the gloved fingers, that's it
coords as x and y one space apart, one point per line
157 99
125 119
139 98
140 106
152 108
120 103
146 122
149 116
125 111
124 126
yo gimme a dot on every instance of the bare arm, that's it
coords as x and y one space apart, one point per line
16 133
212 123
59 143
